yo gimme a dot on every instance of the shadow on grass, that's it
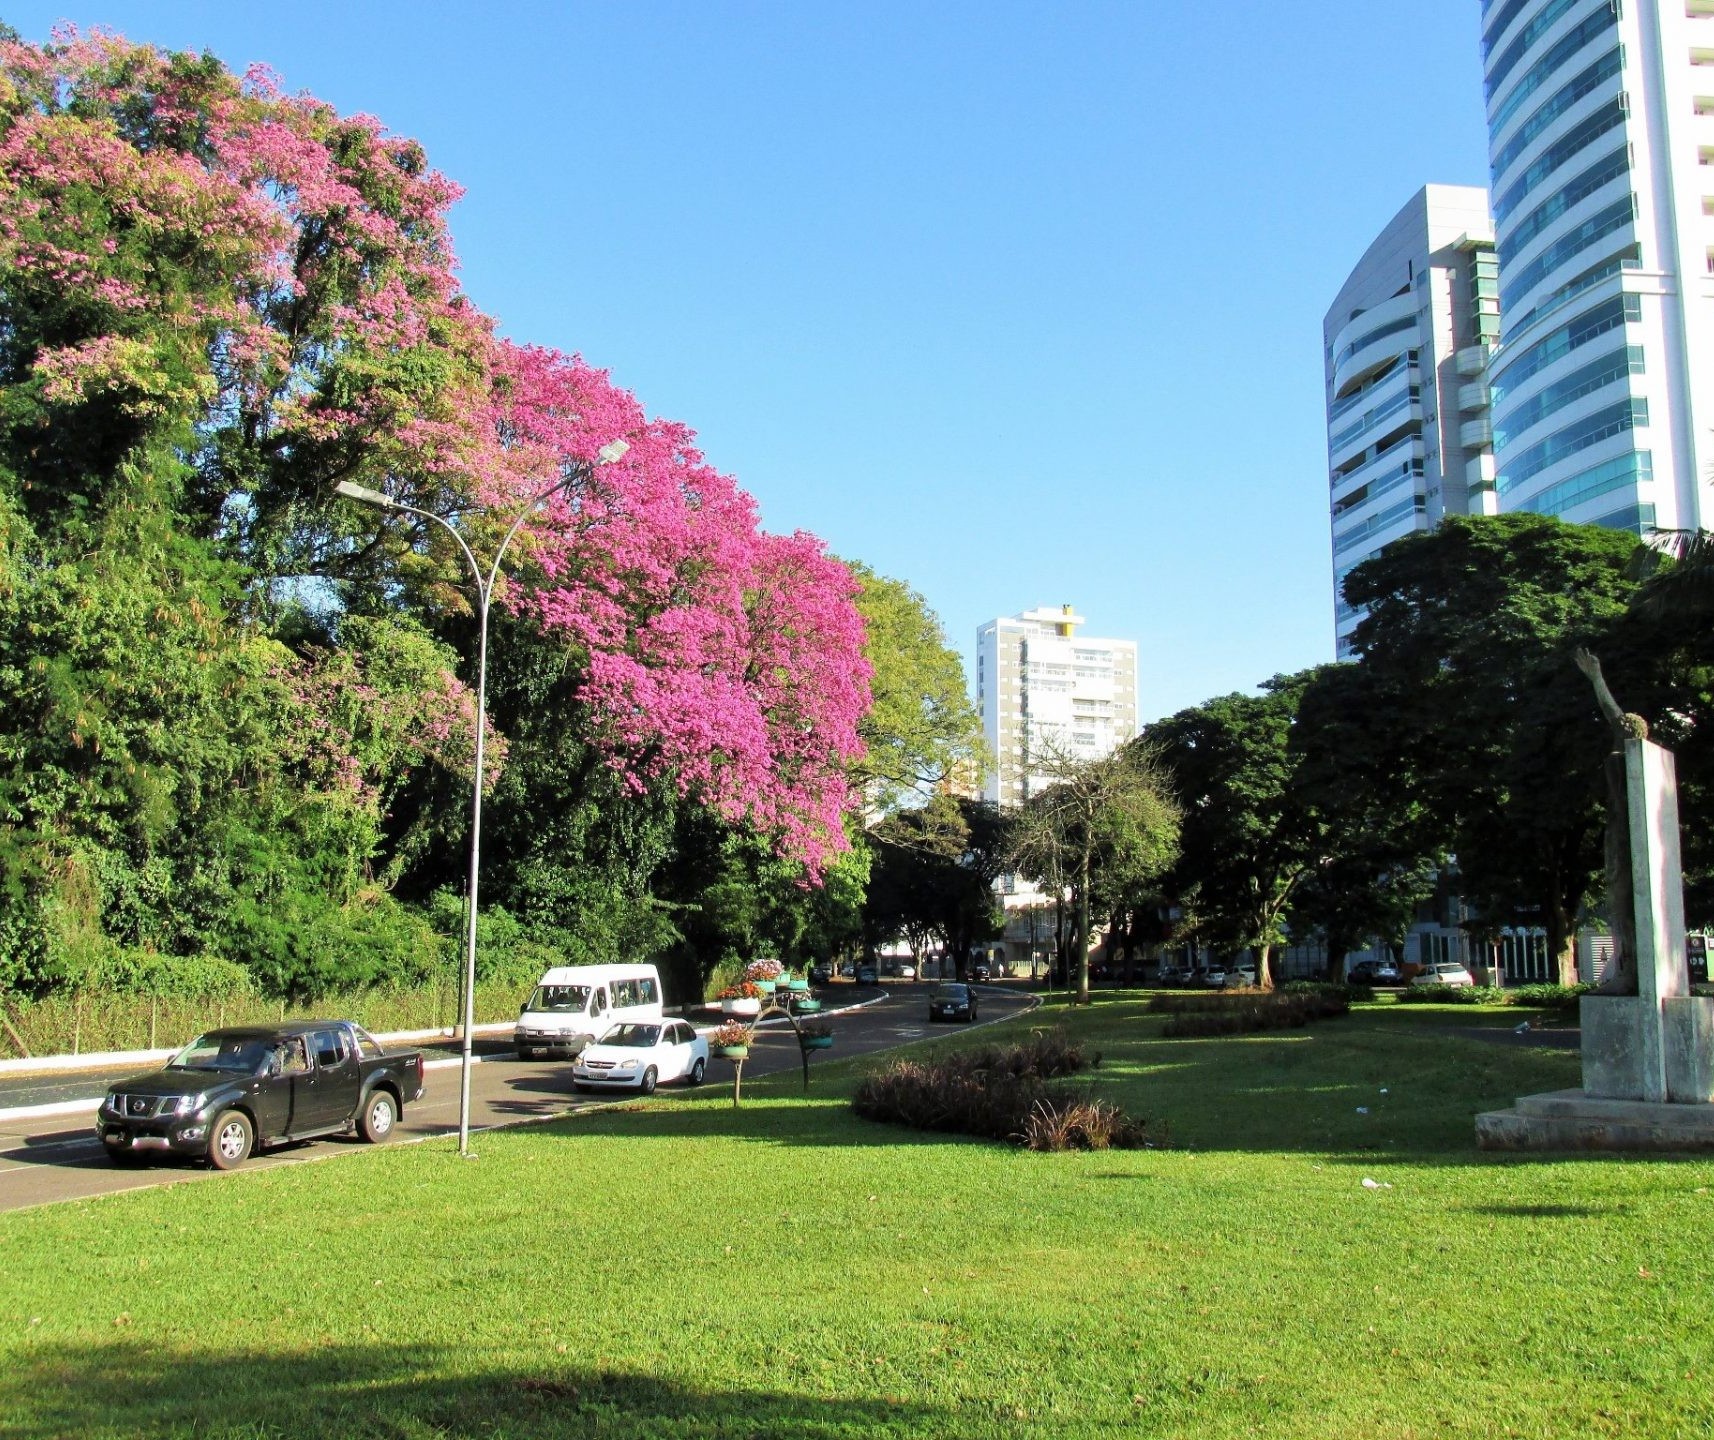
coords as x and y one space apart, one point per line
1542 1212
391 1391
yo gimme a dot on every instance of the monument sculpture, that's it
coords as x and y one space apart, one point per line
1648 1043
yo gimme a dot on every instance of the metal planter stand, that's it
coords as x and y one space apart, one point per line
778 1003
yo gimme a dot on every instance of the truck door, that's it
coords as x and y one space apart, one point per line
277 1098
328 1095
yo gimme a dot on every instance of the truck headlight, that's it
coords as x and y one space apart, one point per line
188 1104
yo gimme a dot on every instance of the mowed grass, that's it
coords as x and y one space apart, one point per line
786 1270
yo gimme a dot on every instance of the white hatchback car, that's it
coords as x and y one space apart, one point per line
1444 972
640 1055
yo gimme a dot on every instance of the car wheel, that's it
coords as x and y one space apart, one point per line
230 1139
376 1123
647 1084
698 1067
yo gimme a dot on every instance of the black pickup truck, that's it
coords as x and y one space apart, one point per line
233 1091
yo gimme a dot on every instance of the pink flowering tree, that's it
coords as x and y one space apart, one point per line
718 656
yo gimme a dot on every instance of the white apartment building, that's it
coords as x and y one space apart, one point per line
1601 143
1042 689
1404 346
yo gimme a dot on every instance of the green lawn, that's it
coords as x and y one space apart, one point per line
788 1271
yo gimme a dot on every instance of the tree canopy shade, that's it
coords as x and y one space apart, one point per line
235 720
1110 823
932 876
1467 646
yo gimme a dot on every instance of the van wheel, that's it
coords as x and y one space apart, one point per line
696 1071
648 1085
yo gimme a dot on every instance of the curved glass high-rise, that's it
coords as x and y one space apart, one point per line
1404 346
1601 146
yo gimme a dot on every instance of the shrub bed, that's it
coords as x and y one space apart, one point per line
1195 1015
1539 997
1001 1093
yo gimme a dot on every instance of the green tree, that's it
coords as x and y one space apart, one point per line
932 876
1099 824
1468 645
1248 840
920 729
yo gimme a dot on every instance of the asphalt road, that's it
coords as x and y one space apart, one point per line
46 1160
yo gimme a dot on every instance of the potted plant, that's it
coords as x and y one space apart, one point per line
744 999
805 1004
764 974
730 1041
817 1035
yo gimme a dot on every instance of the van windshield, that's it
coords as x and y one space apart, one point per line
569 998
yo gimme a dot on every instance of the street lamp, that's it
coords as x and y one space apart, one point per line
484 591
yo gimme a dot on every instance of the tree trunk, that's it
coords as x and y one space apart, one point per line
1562 942
1264 969
1083 932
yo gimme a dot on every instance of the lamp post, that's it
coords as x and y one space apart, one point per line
484 591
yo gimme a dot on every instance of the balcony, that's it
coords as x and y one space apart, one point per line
1477 434
1473 360
1473 396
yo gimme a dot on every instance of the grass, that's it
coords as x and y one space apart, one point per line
787 1270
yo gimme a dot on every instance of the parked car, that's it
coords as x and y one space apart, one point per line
1171 976
866 974
821 973
640 1055
952 1002
1444 972
905 970
231 1092
1214 977
1240 976
1374 972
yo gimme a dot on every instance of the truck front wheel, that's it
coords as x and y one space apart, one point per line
379 1113
230 1139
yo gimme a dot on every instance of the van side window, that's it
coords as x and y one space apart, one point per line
646 992
600 1005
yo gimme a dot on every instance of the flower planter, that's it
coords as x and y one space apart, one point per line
817 1042
798 986
805 1006
765 986
733 1052
740 1006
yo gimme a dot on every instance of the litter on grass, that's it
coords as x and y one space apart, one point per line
1369 1184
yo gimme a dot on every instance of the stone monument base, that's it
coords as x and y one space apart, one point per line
1573 1120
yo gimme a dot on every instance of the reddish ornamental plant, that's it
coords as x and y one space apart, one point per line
731 1033
746 991
250 269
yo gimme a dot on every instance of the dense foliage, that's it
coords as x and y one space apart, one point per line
238 713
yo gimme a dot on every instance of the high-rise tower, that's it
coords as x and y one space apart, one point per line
1601 141
1405 344
1044 691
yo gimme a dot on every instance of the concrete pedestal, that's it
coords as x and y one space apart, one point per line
1572 1120
1648 1058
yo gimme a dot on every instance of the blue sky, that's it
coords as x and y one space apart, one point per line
1018 302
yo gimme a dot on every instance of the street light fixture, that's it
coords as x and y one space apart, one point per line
484 591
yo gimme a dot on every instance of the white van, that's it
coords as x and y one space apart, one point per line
574 1004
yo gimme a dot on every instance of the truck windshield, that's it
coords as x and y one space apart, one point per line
639 1037
560 997
240 1054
